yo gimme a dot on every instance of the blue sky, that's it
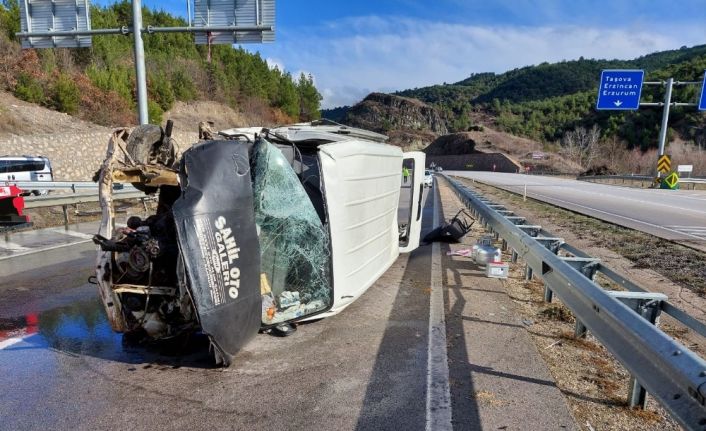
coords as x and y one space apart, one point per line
353 47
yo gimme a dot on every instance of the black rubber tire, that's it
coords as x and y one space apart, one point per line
283 330
141 142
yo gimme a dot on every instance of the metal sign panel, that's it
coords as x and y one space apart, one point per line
664 164
672 181
685 168
620 89
46 16
702 101
227 13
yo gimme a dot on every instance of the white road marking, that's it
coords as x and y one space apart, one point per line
24 251
438 391
592 188
28 251
699 231
12 246
4 344
71 233
552 199
549 199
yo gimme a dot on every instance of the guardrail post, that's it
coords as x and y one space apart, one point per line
580 330
528 272
514 256
548 294
649 306
650 310
65 210
587 267
553 244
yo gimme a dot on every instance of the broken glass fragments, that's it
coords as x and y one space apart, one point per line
294 244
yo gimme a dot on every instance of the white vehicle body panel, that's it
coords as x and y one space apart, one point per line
415 225
362 186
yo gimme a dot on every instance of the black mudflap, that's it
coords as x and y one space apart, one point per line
218 241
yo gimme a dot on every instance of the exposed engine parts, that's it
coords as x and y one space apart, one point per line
144 269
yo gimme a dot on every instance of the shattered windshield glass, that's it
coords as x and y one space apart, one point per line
294 244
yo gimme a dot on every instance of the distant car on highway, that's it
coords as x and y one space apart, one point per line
428 178
26 168
255 229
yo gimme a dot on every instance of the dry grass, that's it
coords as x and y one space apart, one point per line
10 123
594 382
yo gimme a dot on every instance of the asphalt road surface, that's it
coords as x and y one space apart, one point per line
678 215
382 364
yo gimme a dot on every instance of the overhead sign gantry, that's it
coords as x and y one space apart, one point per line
620 90
67 24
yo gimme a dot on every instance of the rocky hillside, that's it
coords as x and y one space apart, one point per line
409 123
485 140
76 147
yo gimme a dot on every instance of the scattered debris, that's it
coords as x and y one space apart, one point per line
454 230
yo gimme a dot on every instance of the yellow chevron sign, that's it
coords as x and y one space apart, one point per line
664 164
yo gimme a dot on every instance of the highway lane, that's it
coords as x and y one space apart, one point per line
678 215
371 367
64 368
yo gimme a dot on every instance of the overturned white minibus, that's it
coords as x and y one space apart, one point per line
254 230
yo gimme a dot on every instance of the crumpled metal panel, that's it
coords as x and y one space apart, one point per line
218 242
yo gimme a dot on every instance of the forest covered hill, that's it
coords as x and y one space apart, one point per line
545 101
98 83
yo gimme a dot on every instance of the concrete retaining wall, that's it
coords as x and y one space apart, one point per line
74 156
476 162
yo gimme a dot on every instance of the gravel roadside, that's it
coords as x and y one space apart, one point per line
594 383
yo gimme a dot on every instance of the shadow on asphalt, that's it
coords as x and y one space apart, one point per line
464 407
396 395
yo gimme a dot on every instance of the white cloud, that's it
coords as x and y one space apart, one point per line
275 62
354 56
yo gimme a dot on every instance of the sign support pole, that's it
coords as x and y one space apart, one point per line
665 119
140 73
137 30
665 115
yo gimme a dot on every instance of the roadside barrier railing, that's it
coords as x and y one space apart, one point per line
642 179
78 192
624 321
68 186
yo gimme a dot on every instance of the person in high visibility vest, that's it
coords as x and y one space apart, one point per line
405 174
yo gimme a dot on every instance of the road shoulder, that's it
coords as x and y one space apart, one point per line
498 379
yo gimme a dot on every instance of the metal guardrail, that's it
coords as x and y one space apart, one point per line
78 198
79 192
642 178
73 186
669 371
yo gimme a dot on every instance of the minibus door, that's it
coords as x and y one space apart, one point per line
409 213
